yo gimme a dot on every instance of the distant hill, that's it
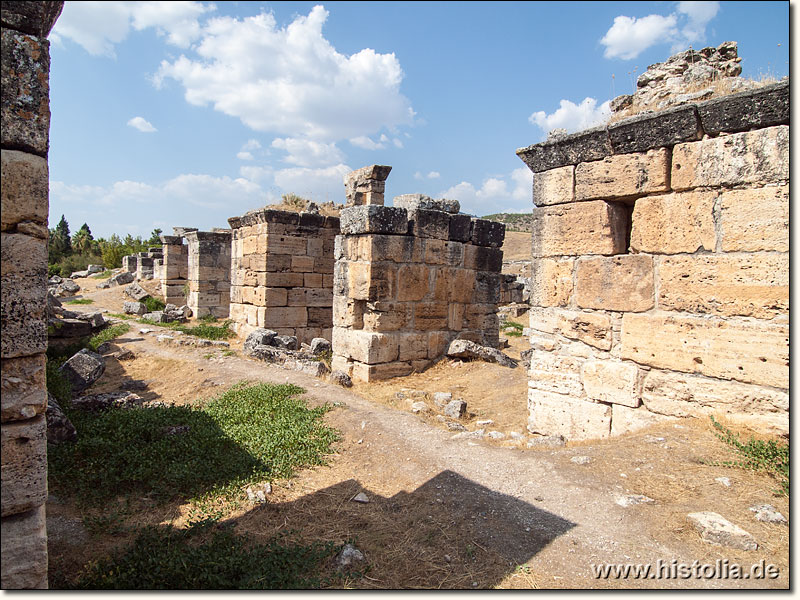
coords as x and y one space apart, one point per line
514 221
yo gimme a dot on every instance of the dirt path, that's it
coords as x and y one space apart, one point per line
467 513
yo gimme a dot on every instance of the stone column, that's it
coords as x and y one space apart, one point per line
209 273
25 139
174 269
130 263
366 185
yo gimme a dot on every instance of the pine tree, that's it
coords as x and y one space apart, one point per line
60 244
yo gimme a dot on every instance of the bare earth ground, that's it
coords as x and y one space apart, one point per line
455 513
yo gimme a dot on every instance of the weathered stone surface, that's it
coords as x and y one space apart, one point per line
741 350
575 419
590 328
552 372
23 290
374 219
551 282
575 229
674 223
455 409
25 189
766 513
68 328
650 131
25 93
630 420
59 428
24 545
466 349
460 228
754 219
83 369
137 292
365 346
763 107
35 18
682 395
95 402
429 224
622 283
623 176
24 393
121 278
24 462
479 258
134 308
715 529
749 285
320 346
759 157
366 185
421 201
341 378
587 145
488 233
556 186
612 382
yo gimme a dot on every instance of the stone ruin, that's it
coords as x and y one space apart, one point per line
660 267
366 185
209 270
282 273
174 271
409 280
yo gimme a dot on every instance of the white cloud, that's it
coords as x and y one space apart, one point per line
319 185
99 26
572 117
251 145
245 156
260 174
308 153
432 175
397 142
628 36
510 193
366 143
142 125
312 91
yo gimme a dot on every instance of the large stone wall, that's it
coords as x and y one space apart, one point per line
25 204
282 273
209 267
408 282
660 266
174 271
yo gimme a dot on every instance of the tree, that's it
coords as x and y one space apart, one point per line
82 240
60 244
154 237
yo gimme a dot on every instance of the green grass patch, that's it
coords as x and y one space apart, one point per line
250 433
108 334
81 301
153 304
202 558
206 331
104 275
122 316
771 456
512 329
57 384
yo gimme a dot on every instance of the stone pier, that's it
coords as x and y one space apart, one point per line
209 269
174 272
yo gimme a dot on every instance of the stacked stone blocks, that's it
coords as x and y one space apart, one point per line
209 273
25 139
282 273
407 283
660 269
174 272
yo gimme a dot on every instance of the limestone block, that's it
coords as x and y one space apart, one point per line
488 233
455 316
556 186
24 190
716 530
429 224
348 313
622 283
368 373
481 317
750 352
674 223
754 219
366 347
421 201
302 264
575 229
412 346
320 317
413 282
438 342
454 285
551 372
629 420
366 185
313 280
759 157
23 290
24 542
487 287
25 75
286 244
665 128
286 316
460 228
309 297
435 252
35 18
24 393
24 460
551 282
623 176
590 328
276 296
374 219
612 382
372 281
758 108
282 280
386 316
399 249
429 316
586 145
573 418
454 254
480 258
543 320
682 395
749 285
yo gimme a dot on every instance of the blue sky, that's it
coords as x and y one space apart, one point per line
186 113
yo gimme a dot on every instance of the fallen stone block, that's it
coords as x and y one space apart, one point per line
83 369
67 288
341 378
96 402
68 328
455 409
95 319
466 349
120 279
59 428
320 346
715 529
421 201
134 308
137 292
258 337
767 513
